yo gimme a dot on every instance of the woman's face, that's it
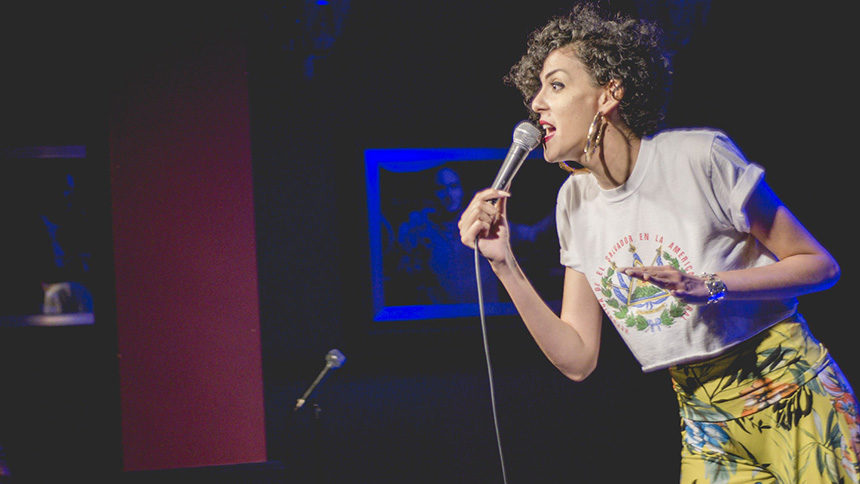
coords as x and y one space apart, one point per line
566 102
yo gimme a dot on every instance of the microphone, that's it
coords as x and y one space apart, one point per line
526 138
333 359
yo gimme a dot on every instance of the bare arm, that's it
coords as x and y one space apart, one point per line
570 341
803 265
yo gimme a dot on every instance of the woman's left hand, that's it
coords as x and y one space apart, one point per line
688 288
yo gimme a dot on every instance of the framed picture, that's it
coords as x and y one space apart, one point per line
419 267
47 203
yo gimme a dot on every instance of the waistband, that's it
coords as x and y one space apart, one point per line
751 376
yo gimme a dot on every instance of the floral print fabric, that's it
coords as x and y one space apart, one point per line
775 409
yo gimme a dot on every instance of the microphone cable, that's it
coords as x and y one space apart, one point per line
487 355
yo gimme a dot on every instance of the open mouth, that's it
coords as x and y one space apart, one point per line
548 131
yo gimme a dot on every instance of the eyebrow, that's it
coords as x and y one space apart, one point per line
552 72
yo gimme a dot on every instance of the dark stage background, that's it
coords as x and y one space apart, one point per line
327 80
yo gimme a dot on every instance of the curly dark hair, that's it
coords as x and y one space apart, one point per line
611 47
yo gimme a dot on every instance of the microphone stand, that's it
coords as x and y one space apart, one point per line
301 401
334 359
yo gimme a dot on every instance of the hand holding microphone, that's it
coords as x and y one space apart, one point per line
483 218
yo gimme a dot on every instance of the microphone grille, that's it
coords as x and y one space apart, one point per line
527 134
334 358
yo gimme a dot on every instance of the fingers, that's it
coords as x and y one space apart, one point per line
661 276
488 196
685 287
471 234
481 215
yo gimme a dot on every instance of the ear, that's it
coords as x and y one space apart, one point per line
611 97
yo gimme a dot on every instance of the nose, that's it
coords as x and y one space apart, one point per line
538 103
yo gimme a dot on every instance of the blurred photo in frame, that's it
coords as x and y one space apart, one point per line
419 267
48 204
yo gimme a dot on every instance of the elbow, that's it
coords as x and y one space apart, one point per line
828 272
579 373
577 377
822 272
832 273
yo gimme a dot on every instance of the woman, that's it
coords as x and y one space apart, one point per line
680 241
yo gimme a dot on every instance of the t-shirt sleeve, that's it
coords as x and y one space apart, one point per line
733 180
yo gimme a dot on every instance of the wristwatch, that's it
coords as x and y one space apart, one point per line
716 287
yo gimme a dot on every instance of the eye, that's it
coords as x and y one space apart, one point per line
556 85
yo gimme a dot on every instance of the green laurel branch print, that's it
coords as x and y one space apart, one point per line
622 311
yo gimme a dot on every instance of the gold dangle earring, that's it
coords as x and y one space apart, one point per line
595 135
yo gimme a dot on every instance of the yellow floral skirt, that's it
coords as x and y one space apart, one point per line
774 409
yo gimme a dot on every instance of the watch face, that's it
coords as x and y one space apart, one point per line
716 288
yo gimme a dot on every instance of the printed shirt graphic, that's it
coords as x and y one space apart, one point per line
632 303
683 206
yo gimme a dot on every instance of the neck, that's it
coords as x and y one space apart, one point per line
613 161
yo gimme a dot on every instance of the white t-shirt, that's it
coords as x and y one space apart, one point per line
683 205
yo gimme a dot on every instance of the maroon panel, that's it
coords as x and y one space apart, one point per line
186 276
